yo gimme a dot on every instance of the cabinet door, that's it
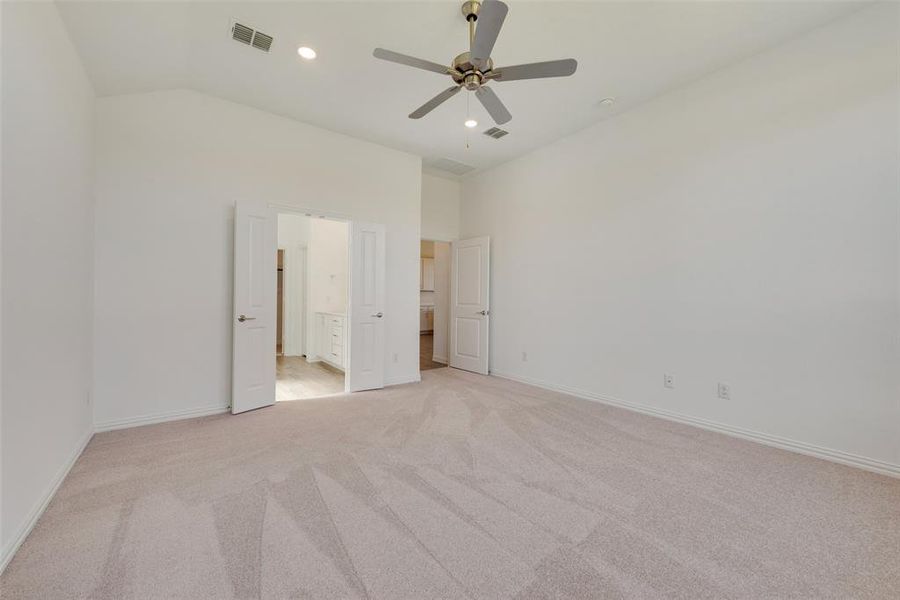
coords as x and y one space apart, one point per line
324 341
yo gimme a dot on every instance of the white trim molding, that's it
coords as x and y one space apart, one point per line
838 456
389 381
159 418
43 502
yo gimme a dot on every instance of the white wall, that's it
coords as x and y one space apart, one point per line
742 229
47 262
170 167
329 265
440 208
293 230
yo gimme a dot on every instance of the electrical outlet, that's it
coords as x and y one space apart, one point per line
724 391
524 357
669 380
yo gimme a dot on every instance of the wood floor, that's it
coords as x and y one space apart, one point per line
297 379
426 351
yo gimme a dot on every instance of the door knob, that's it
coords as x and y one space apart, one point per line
484 312
378 315
243 318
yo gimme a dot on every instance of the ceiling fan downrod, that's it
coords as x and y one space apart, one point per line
464 70
470 10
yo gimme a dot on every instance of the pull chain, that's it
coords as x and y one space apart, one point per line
468 116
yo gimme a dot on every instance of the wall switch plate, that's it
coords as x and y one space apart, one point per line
524 357
396 357
669 381
724 391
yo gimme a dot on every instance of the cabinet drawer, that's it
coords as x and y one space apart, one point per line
336 354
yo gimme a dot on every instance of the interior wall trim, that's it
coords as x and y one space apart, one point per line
175 415
388 381
838 456
41 505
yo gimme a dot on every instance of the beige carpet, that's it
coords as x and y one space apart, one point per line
460 487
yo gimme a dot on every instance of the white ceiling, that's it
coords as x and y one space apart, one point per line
629 50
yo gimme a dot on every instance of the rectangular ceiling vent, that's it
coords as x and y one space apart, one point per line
450 165
262 41
251 37
496 133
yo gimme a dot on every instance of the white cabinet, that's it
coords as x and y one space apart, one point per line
426 318
426 276
330 334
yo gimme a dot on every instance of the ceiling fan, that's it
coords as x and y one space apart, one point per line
474 69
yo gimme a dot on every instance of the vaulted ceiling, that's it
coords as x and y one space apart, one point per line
631 51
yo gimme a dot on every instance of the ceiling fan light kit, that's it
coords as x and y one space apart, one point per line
472 70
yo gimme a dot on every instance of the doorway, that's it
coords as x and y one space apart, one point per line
357 347
434 304
312 298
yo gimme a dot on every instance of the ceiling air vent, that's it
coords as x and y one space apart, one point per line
449 165
242 33
262 41
251 37
496 133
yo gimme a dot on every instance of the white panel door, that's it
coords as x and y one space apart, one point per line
470 304
366 368
255 264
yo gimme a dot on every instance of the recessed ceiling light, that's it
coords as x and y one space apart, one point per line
306 52
607 101
470 123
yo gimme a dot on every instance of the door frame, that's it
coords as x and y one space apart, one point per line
313 213
450 292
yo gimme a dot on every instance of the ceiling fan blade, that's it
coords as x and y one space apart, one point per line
434 102
487 28
410 61
538 70
492 103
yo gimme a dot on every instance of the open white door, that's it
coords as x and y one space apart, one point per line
470 304
253 357
366 369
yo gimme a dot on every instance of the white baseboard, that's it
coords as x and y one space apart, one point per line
10 550
400 380
838 456
174 415
440 359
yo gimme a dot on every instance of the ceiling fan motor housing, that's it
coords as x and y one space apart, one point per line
467 74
